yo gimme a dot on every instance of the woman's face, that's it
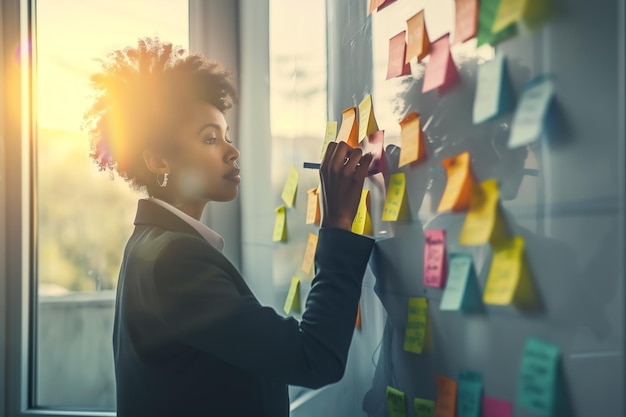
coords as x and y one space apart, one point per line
204 165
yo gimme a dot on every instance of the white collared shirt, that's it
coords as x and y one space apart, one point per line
205 231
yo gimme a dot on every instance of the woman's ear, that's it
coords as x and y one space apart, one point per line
155 162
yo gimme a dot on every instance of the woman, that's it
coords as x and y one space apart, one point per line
190 339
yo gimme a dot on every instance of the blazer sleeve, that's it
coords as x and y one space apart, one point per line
201 306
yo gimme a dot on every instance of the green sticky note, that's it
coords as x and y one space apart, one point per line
486 17
537 386
415 332
396 402
424 408
461 292
469 394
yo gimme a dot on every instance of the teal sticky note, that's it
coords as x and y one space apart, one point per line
538 380
461 292
531 113
469 397
396 402
494 93
488 10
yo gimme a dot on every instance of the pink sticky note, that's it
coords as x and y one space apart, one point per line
440 71
435 258
384 4
397 50
494 407
375 144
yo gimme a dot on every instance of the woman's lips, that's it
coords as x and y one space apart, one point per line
233 176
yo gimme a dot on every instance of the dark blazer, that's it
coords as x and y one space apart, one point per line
190 338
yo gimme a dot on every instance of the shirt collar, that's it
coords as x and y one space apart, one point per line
205 231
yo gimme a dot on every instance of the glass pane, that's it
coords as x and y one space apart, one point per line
83 217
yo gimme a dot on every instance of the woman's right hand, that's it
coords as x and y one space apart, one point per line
342 174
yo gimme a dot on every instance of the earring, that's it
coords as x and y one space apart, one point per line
164 182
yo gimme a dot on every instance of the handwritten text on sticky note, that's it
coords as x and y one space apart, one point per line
280 225
470 392
329 136
367 120
292 303
505 272
539 377
530 116
415 333
291 186
435 258
413 147
483 214
395 207
396 402
457 194
309 253
424 408
349 130
446 397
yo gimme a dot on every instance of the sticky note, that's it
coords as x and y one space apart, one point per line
435 258
418 43
415 332
291 186
385 3
396 206
313 207
357 324
424 408
329 136
445 406
486 17
292 303
538 379
375 144
280 225
466 20
512 11
396 402
413 147
349 130
309 253
495 407
461 291
494 92
441 71
530 116
397 66
458 192
470 392
374 5
484 220
362 223
367 120
508 279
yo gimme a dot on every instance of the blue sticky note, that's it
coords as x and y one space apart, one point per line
494 93
461 292
531 113
538 380
469 397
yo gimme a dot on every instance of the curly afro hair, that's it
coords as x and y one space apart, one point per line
140 97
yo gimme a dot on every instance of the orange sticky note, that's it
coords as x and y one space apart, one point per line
349 130
357 324
466 26
292 302
291 186
417 42
313 207
457 194
309 253
445 406
280 225
367 120
435 258
413 147
441 71
362 223
483 221
374 5
396 206
397 65
508 281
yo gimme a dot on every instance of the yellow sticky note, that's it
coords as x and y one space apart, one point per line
483 221
367 120
362 223
396 206
280 225
329 136
456 196
413 147
511 11
309 253
292 303
508 279
313 207
415 332
348 131
291 186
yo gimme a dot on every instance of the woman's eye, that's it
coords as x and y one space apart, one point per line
210 140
